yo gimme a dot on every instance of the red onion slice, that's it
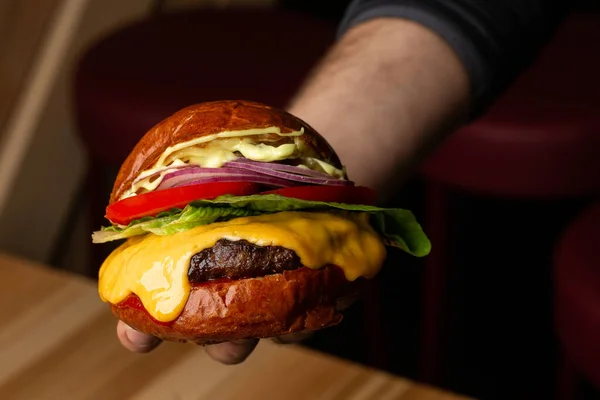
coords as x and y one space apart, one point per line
197 175
264 180
270 169
244 170
156 174
244 162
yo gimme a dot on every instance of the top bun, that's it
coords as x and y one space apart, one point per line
210 118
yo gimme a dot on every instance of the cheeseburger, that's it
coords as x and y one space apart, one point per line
239 221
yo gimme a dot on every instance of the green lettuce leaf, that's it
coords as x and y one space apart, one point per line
398 227
171 222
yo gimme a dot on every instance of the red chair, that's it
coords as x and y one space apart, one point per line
541 140
577 301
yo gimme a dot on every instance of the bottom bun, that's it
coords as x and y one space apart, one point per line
219 311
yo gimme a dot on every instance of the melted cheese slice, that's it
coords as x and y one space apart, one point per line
155 267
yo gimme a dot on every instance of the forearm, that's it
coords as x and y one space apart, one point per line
389 90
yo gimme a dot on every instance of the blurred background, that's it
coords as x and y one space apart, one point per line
82 80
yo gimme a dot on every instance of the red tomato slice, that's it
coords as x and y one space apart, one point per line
148 204
336 194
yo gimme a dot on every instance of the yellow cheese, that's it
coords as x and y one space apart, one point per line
155 267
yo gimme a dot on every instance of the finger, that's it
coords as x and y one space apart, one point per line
233 352
292 337
135 341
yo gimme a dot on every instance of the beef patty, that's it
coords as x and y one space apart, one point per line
240 259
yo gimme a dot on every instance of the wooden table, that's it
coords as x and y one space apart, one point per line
57 341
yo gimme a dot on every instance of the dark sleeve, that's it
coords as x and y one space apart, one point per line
495 39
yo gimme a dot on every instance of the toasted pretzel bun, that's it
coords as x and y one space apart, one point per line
219 311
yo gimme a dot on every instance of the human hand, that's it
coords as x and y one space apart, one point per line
228 353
